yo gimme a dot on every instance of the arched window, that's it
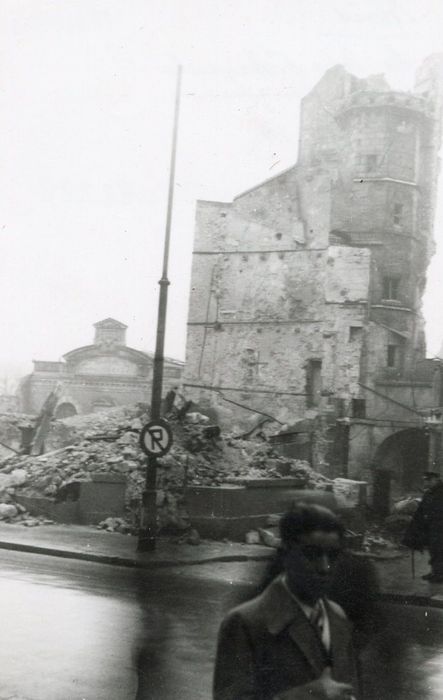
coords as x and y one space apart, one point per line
65 410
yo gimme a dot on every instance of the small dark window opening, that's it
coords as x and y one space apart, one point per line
313 383
278 236
392 356
390 287
355 333
358 408
398 213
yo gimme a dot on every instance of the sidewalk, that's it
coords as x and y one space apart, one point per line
90 544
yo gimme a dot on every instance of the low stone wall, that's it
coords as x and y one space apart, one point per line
98 499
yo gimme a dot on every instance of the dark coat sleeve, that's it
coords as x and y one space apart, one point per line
234 674
417 533
434 517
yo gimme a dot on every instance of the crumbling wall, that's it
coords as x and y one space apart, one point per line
84 392
268 305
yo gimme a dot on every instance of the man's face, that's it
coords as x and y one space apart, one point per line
310 564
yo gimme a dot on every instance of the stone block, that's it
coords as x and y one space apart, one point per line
231 511
350 493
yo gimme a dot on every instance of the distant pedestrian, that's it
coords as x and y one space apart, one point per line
292 642
168 401
426 528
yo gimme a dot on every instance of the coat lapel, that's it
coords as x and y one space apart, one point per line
305 637
282 611
342 659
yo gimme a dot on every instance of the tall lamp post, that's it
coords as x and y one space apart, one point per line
434 422
148 525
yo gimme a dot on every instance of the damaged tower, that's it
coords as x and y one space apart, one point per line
307 289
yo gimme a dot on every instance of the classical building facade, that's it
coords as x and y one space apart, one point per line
307 289
94 377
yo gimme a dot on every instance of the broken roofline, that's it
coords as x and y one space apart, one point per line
248 191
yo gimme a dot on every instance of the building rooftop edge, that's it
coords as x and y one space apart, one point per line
265 182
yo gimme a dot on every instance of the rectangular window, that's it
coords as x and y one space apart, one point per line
313 383
392 357
358 408
355 333
390 287
398 213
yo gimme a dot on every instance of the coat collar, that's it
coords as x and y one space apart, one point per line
281 611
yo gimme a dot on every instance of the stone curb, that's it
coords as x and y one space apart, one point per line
138 563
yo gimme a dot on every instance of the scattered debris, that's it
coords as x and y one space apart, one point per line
108 442
115 525
406 506
7 511
252 537
270 537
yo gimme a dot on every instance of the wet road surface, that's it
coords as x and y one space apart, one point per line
72 630
405 662
67 629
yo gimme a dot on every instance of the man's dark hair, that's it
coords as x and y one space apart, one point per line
304 518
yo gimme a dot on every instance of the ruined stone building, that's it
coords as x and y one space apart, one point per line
94 377
307 289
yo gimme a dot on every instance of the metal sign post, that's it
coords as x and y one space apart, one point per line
154 435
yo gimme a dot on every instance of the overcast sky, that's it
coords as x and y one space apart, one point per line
87 95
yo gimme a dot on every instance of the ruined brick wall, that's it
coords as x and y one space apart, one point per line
260 311
322 268
85 392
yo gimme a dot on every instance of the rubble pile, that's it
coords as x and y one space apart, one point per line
216 460
10 510
10 432
396 523
108 425
375 541
109 442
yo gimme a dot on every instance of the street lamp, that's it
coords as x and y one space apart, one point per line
148 525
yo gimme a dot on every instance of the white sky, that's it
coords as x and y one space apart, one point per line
86 107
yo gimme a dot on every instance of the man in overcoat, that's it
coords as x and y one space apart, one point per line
426 528
291 642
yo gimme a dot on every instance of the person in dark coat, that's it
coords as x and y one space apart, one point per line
292 641
426 528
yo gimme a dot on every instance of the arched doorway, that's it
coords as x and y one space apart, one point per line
405 456
65 410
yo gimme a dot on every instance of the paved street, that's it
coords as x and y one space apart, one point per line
71 630
67 629
405 662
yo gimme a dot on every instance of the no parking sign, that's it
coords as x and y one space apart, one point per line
156 438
